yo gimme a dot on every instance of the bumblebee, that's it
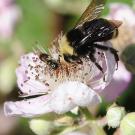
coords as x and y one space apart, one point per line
53 64
87 35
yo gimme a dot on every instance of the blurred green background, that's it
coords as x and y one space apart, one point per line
42 22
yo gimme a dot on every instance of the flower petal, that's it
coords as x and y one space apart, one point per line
108 65
111 65
27 73
10 14
28 108
29 87
116 12
60 102
81 94
121 79
71 94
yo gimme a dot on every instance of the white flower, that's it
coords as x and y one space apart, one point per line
41 127
119 83
127 125
10 13
75 94
122 77
123 12
65 88
114 115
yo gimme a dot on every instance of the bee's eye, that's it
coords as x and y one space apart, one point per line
53 64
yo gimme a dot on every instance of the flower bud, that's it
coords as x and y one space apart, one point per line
91 128
114 115
127 125
41 127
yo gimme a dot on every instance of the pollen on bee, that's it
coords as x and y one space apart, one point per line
69 72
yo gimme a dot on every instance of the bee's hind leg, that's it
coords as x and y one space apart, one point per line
112 50
93 59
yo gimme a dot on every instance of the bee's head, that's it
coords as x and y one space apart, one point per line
53 64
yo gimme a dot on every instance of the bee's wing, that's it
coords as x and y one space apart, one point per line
93 11
115 23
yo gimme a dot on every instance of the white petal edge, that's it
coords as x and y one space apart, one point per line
28 108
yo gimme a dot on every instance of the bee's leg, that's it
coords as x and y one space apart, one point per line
72 59
115 56
93 59
112 50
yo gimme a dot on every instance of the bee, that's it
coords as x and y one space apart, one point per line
53 64
87 36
